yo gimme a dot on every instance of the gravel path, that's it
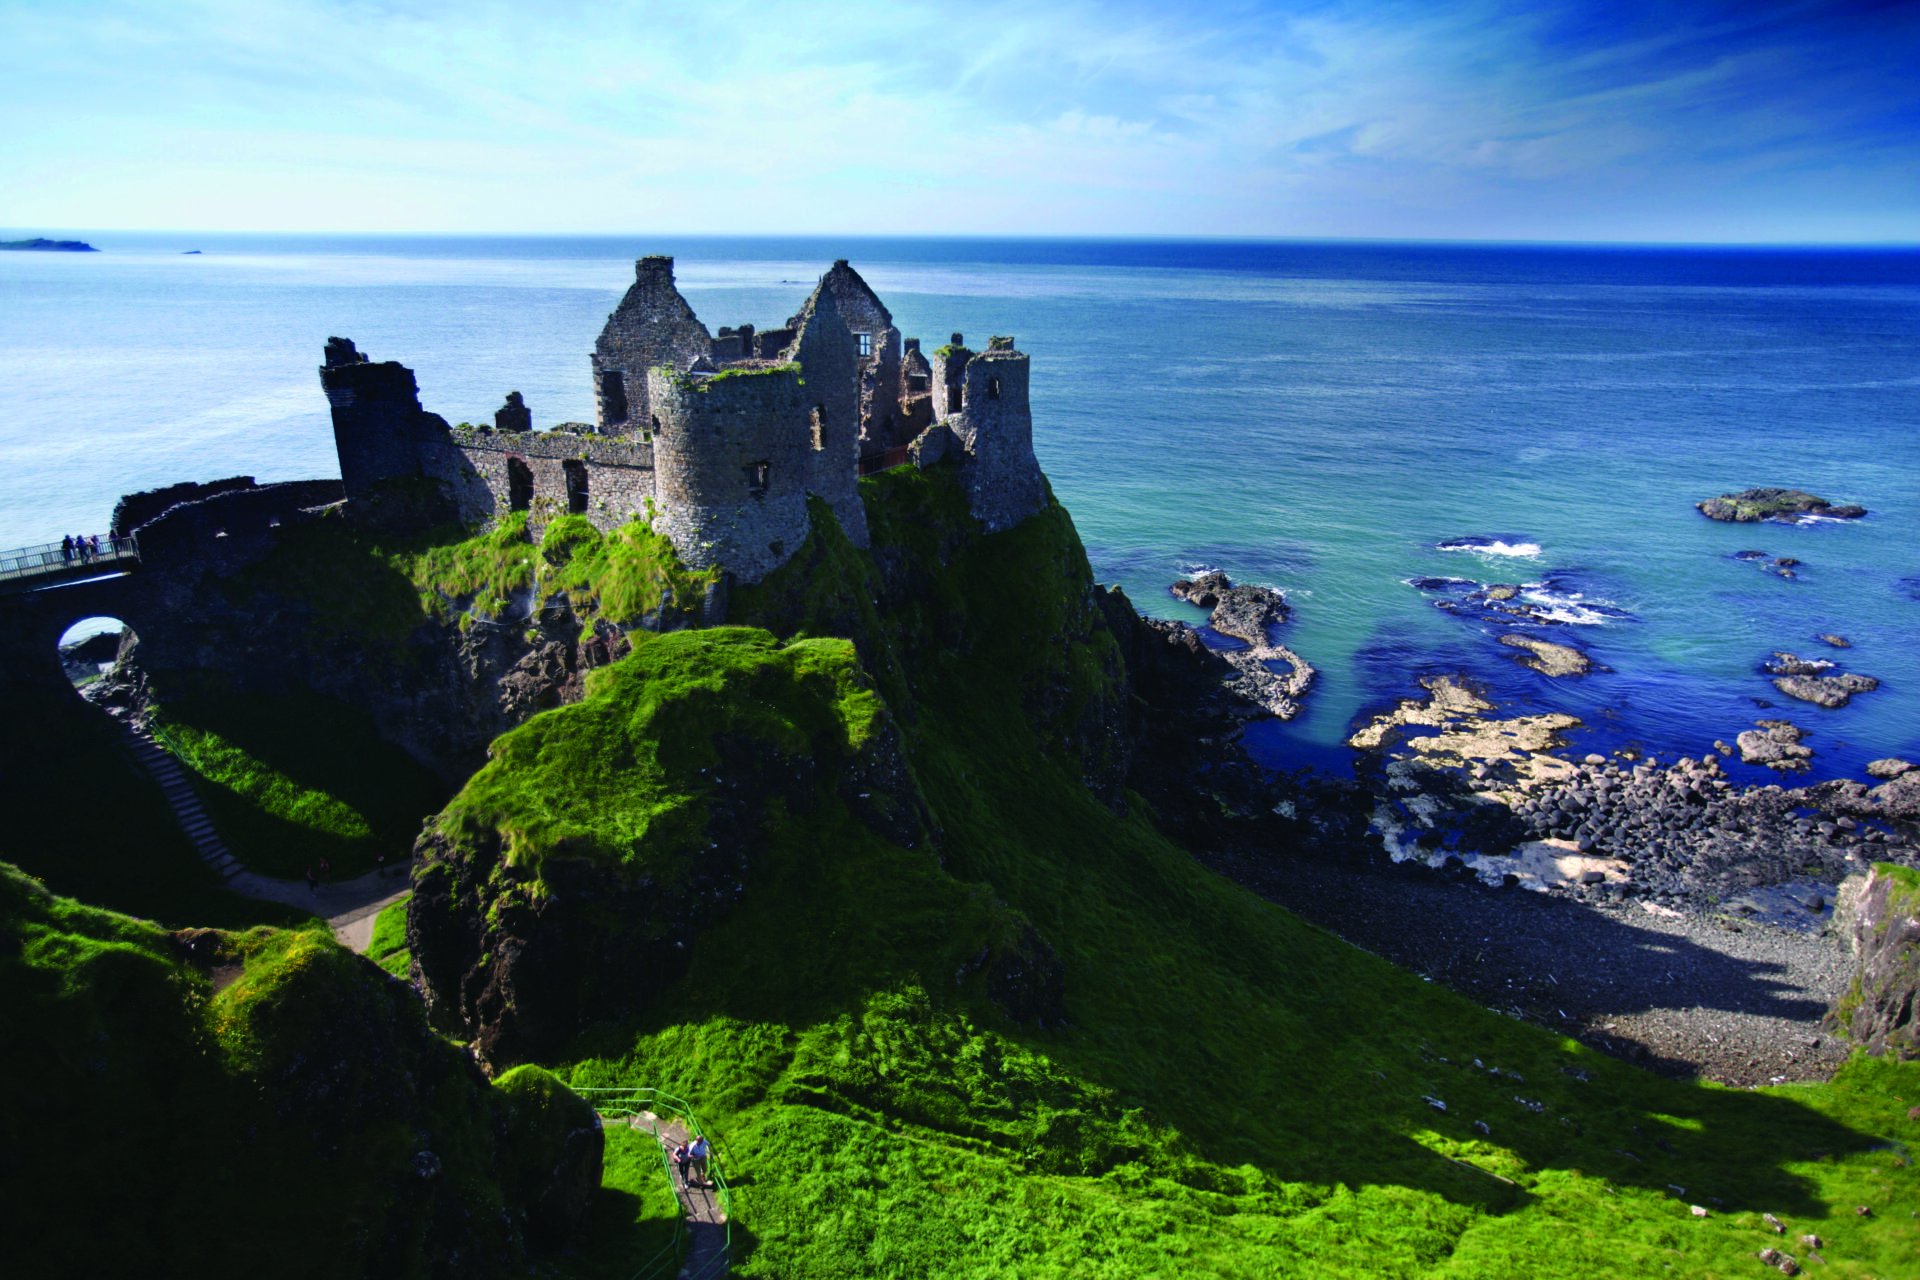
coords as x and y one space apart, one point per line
1686 996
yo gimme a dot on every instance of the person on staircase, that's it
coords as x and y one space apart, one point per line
697 1156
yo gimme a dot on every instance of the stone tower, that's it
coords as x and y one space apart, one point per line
995 429
652 326
733 460
376 412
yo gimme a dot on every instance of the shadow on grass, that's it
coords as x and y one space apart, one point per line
294 778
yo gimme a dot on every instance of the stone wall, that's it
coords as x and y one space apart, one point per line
135 509
829 360
475 463
653 325
733 459
864 313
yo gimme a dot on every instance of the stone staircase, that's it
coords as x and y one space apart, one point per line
165 770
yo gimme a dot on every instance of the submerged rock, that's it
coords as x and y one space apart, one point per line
1890 768
1549 658
1825 691
1750 505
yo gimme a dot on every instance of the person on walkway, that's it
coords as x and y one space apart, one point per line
680 1161
66 547
326 873
313 885
697 1160
93 544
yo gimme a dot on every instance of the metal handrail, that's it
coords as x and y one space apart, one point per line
633 1101
56 557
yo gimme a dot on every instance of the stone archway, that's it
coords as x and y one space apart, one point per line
90 648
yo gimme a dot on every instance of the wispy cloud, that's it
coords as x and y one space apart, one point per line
1785 120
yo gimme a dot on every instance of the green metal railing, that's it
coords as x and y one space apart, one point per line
626 1103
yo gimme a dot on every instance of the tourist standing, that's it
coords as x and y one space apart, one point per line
697 1159
66 548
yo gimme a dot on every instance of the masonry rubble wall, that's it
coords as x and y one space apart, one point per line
864 313
652 326
135 509
732 465
474 464
829 359
230 529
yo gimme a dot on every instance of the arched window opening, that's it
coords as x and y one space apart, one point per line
819 426
519 484
576 472
993 388
613 397
90 648
759 475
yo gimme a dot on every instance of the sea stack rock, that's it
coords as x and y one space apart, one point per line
1789 505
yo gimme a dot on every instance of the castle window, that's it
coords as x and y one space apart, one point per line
576 472
866 344
519 484
759 474
993 388
613 396
819 425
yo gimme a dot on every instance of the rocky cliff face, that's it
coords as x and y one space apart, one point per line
1879 915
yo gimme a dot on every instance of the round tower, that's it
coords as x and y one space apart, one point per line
732 461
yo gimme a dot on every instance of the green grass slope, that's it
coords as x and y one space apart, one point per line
262 1102
1238 1093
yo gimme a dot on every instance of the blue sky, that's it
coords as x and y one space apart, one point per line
1733 122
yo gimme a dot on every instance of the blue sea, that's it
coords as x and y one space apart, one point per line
1354 423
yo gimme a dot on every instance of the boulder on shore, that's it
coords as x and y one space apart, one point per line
1775 745
1789 505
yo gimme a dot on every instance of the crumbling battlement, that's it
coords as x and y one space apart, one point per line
135 509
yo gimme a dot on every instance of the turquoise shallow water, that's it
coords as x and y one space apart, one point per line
1318 417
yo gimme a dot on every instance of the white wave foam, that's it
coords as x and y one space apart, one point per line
1574 610
1494 548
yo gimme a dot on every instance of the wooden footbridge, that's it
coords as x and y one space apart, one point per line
702 1241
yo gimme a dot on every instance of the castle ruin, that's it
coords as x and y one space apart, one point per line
716 440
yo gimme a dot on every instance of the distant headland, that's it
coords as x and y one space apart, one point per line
50 246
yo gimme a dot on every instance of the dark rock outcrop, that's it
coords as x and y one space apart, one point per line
1879 916
1750 505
